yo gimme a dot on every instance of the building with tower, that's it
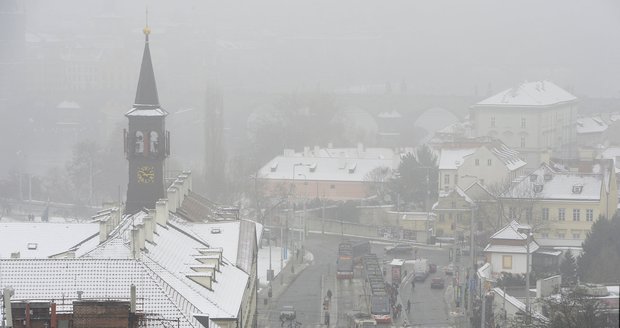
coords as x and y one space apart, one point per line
147 143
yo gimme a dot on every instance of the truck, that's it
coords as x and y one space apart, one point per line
420 269
344 264
359 250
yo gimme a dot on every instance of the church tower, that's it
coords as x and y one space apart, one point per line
147 143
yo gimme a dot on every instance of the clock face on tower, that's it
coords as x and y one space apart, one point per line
146 174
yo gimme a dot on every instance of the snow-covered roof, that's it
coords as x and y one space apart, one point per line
103 279
546 183
41 239
612 153
511 232
539 93
328 165
162 272
590 125
518 304
508 156
146 111
513 249
451 159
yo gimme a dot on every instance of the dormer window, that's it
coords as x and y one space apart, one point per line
548 176
533 178
352 168
274 167
313 167
538 187
577 189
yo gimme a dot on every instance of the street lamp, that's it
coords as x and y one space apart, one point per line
302 235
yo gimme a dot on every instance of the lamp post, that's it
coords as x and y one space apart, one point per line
527 275
303 218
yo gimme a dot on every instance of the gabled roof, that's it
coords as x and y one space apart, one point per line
501 240
529 94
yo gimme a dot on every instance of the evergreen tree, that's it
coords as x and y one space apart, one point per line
600 260
568 268
416 178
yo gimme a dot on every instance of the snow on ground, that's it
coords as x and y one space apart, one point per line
263 262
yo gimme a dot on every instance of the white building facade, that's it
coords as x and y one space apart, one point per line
537 118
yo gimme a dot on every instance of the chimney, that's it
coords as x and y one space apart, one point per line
172 199
330 145
103 230
180 192
317 149
149 225
7 293
189 179
360 149
53 317
116 217
161 212
306 151
132 294
135 243
141 235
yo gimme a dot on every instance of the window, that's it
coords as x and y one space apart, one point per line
139 142
576 214
446 179
561 235
332 186
589 215
453 204
512 213
442 218
523 122
456 179
507 262
545 235
154 142
522 141
576 235
561 214
545 213
528 215
489 162
459 217
492 121
477 162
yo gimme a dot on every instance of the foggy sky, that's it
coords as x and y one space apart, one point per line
440 47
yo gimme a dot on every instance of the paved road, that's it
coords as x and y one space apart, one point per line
429 308
305 292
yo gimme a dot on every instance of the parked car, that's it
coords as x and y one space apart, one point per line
449 269
399 248
437 282
432 267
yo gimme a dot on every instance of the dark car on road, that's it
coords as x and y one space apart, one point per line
437 282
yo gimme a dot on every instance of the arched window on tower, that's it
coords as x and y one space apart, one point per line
154 138
139 142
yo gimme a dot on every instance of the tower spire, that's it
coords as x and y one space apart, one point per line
146 95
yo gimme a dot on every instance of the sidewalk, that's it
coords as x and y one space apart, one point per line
282 280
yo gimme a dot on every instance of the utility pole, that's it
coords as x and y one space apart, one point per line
527 276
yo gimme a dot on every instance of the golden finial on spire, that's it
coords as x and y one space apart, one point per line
147 29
